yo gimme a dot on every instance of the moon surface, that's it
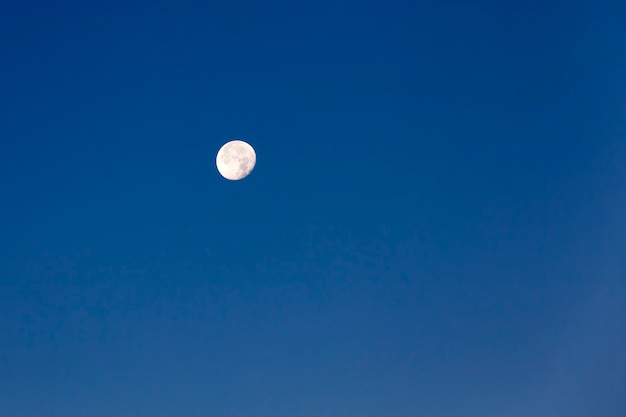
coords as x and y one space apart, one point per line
235 160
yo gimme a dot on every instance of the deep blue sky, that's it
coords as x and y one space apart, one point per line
435 226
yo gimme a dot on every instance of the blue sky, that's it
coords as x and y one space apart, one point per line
435 225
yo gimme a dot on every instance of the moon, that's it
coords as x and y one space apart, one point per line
235 160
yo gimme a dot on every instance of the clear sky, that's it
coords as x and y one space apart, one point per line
435 225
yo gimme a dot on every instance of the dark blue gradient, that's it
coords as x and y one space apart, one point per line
435 226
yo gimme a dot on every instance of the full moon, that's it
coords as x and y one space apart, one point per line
235 160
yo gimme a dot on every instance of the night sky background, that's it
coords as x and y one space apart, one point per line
436 225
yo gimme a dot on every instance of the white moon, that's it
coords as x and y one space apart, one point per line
235 160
